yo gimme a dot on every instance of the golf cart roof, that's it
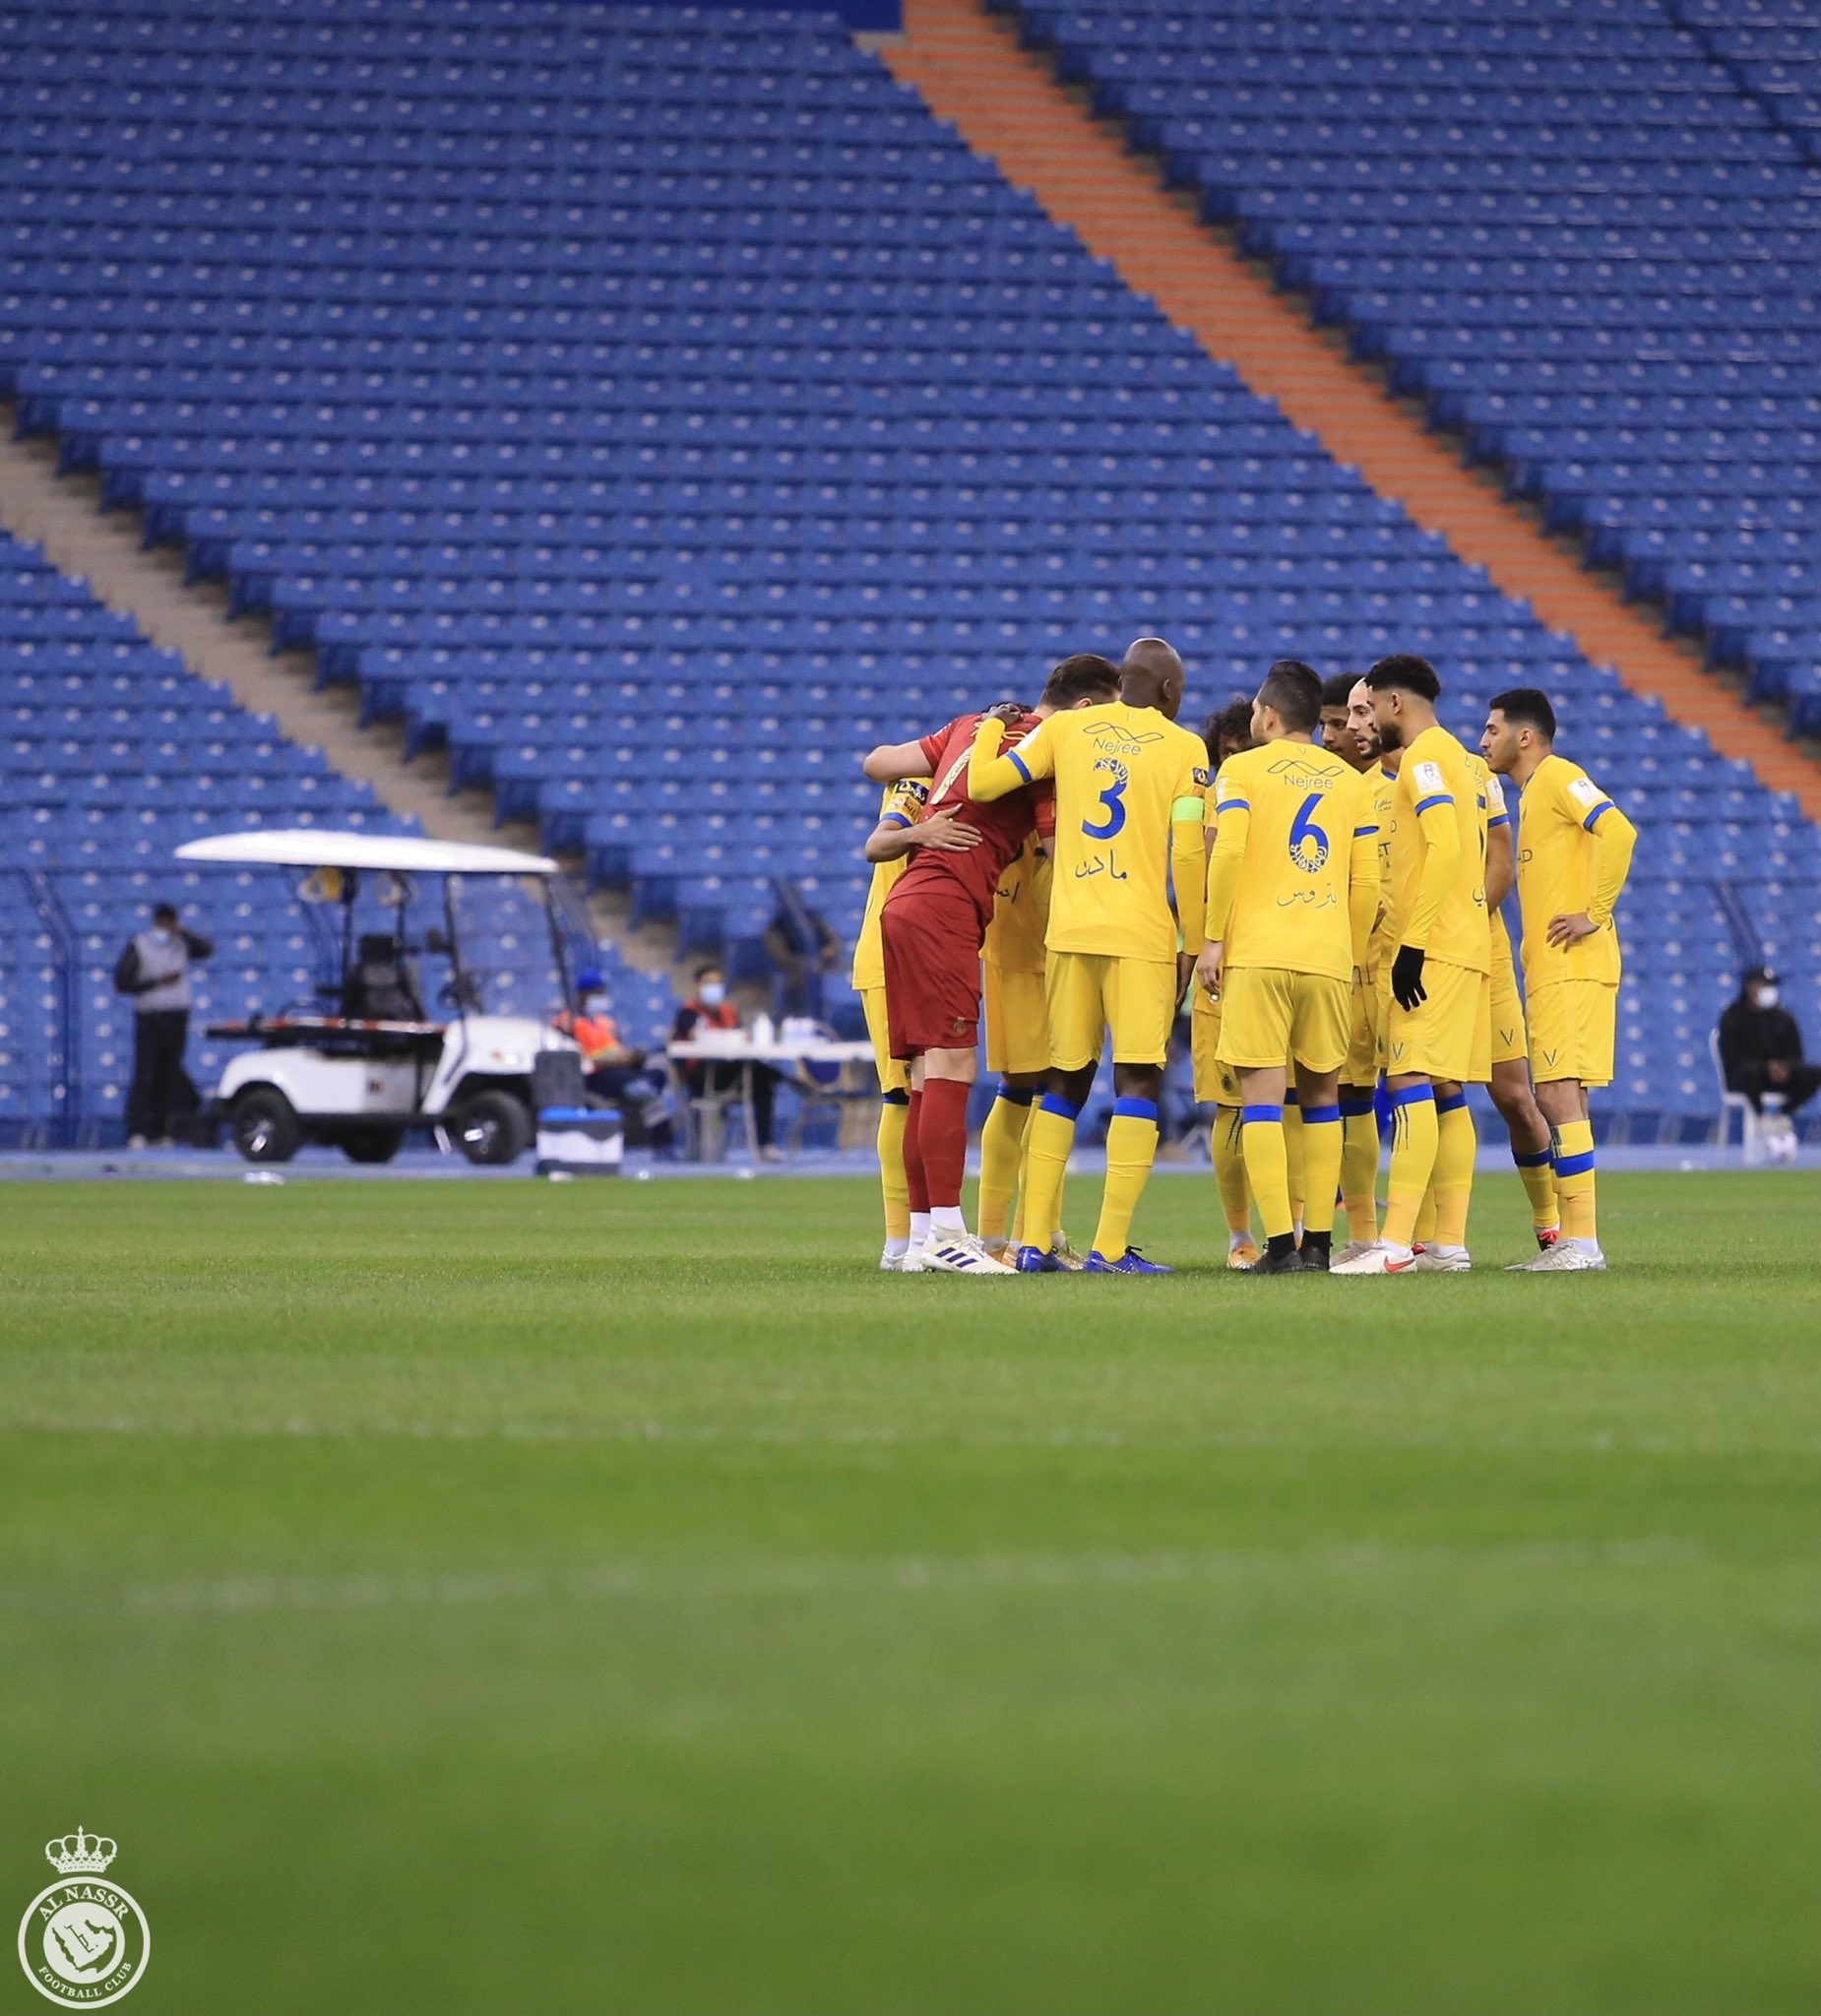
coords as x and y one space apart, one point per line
308 847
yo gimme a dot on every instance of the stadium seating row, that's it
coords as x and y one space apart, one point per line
1656 218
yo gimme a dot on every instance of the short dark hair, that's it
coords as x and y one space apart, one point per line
712 966
1407 673
1528 707
1338 689
161 910
1083 676
1230 724
1295 691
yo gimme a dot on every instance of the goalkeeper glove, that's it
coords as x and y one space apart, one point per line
1407 989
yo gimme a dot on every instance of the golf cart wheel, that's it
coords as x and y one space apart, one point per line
491 1127
372 1144
265 1125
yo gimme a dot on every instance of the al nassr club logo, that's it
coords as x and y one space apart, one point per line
84 1941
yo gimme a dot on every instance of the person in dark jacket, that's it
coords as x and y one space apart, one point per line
154 971
1761 1054
706 1010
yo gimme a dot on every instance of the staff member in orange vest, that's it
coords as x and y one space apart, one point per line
613 1069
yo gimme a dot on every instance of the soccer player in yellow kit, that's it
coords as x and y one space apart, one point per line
1014 964
1574 854
1512 1094
1351 732
1217 1085
1129 798
1439 1021
1292 894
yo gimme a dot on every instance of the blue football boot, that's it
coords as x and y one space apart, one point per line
1131 1261
1033 1260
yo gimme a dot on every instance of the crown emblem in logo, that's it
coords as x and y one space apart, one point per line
80 1852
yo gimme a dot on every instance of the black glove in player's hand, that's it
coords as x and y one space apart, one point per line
1407 989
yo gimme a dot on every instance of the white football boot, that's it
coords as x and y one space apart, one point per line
1564 1257
947 1253
1442 1260
1378 1259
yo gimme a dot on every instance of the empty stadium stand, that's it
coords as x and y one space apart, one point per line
654 409
1587 235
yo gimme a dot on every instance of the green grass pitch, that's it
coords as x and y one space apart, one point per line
496 1598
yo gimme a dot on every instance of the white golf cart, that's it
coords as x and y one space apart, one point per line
364 1063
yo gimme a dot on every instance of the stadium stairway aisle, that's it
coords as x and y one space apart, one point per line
1008 105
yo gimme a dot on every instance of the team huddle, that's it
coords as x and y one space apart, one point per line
1323 870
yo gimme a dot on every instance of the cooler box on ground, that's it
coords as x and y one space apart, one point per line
580 1141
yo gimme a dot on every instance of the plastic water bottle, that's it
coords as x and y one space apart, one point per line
764 1034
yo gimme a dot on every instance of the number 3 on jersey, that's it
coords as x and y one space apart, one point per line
1113 798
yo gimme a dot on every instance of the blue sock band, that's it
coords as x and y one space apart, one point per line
1452 1104
1540 1159
1063 1111
1017 1094
1574 1164
1414 1096
1265 1115
1135 1110
903 1099
1321 1117
1355 1109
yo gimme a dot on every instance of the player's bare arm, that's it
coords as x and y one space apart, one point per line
892 762
942 831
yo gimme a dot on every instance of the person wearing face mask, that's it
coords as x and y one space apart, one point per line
708 1008
612 1069
1761 1054
154 971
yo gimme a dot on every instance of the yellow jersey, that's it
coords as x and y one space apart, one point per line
902 803
1021 913
1382 946
1128 782
1440 908
1574 853
1294 833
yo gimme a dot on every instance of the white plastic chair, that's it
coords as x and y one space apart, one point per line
1751 1127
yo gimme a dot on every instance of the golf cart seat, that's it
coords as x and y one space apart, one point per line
379 983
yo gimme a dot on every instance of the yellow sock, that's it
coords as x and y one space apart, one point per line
1131 1149
1046 1162
1293 1157
1230 1170
897 1191
1574 1180
1002 1142
1425 1216
1359 1170
1539 1176
1413 1161
1456 1145
1267 1167
1023 1174
1322 1147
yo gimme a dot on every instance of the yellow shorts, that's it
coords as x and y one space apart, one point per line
1573 1025
1510 1044
894 1072
1216 1084
1367 1019
1267 1013
1016 1021
1088 993
1447 1035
